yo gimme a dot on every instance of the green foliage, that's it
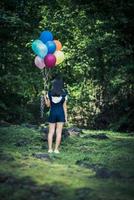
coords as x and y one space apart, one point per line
97 38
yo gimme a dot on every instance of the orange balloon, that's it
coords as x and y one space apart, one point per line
58 45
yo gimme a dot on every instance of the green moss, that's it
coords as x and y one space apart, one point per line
60 177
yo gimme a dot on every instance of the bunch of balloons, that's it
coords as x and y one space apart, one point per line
48 51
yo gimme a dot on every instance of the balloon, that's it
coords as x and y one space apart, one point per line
58 45
39 62
39 48
50 60
59 57
46 36
51 46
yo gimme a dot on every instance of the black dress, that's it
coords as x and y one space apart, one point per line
56 109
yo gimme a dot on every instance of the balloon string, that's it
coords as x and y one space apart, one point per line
45 75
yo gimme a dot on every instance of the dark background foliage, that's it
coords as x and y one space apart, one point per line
98 71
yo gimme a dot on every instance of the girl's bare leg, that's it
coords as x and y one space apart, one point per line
50 135
59 128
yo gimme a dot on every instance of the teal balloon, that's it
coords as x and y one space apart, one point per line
39 48
51 46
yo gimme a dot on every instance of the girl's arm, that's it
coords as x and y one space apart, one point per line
47 101
65 109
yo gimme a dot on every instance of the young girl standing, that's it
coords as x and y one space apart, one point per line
56 99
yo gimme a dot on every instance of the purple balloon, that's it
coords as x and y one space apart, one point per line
50 60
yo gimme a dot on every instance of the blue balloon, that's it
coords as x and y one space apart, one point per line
51 46
39 48
46 36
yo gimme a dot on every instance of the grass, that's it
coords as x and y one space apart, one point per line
83 170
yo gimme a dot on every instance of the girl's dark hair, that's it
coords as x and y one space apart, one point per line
57 87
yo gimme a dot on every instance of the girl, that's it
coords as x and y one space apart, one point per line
56 100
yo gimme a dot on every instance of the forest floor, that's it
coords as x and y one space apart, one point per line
92 165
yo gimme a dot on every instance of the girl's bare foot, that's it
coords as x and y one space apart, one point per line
50 151
56 151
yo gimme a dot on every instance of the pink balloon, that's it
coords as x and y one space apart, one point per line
39 62
50 60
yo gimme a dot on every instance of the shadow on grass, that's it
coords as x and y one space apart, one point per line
24 188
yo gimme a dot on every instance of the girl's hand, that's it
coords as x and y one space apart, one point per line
45 96
47 101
